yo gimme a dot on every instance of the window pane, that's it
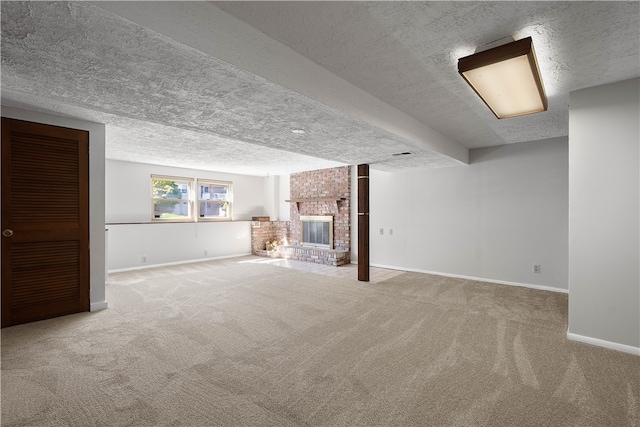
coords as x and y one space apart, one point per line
204 192
219 192
169 189
171 208
171 198
209 191
214 199
214 209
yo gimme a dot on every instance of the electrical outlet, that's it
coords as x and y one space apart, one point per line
391 232
206 252
144 259
382 231
536 268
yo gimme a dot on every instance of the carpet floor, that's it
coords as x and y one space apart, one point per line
239 343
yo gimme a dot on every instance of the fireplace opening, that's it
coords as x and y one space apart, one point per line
316 231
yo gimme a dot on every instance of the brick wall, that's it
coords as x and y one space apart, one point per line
267 231
324 183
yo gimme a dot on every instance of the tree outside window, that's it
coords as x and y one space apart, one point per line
171 198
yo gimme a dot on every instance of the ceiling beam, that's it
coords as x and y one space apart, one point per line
212 31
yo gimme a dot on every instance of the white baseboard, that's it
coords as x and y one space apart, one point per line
97 306
189 261
606 344
478 279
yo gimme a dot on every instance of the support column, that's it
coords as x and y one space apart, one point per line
363 223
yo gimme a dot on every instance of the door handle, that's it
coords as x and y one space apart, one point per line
7 233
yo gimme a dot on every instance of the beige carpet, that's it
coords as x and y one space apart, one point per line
224 343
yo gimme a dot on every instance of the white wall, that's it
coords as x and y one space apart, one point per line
128 190
285 194
604 198
277 190
96 192
169 243
271 192
128 201
490 220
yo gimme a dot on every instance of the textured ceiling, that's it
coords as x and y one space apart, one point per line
406 53
220 87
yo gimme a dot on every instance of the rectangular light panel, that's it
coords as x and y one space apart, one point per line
506 78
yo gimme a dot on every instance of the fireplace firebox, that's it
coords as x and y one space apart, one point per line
316 231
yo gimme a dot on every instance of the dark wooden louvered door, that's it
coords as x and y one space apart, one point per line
45 221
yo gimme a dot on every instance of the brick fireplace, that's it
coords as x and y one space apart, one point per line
319 193
265 232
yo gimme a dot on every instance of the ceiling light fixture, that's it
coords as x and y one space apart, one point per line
507 78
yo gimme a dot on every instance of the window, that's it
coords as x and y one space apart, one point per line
174 199
214 200
171 198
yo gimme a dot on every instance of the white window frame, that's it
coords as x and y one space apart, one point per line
229 199
189 199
